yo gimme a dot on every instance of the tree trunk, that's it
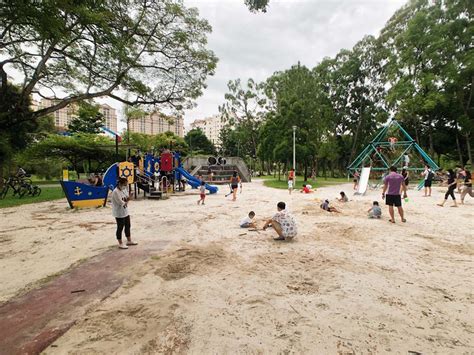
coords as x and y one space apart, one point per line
458 145
468 147
1 174
430 138
305 170
356 137
279 172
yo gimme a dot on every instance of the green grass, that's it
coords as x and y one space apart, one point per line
270 181
47 194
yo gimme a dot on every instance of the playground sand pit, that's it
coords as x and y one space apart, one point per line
345 285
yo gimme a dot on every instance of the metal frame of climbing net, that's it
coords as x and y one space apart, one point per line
373 149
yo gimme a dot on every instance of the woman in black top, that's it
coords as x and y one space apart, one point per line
234 185
451 187
467 189
405 176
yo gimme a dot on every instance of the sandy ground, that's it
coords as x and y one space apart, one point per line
345 285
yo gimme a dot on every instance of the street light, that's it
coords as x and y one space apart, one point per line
294 149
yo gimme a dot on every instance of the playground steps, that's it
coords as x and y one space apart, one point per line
222 173
199 165
152 192
155 195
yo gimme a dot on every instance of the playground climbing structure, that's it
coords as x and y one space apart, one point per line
392 146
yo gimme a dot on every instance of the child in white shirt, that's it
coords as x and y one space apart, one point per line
248 221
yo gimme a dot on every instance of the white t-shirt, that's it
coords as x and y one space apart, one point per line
118 203
247 220
426 173
287 223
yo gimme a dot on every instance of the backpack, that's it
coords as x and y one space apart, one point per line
430 175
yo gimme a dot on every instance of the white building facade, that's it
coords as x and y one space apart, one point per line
211 127
63 116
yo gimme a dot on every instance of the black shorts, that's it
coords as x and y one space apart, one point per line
393 200
427 183
234 187
406 182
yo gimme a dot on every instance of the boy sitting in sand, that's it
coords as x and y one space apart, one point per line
343 197
306 189
248 221
283 223
375 211
325 206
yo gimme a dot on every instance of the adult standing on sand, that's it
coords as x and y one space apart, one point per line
356 179
467 190
120 199
394 183
234 185
429 175
451 187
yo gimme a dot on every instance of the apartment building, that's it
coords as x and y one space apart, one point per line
63 116
211 127
156 123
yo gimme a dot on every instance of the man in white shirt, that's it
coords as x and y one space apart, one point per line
283 223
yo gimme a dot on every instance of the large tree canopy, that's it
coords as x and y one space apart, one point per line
88 120
198 142
135 51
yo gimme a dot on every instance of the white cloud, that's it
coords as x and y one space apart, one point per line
256 45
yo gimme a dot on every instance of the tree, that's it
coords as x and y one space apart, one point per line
199 143
427 48
88 120
257 5
132 113
154 143
78 151
294 95
245 108
12 138
137 52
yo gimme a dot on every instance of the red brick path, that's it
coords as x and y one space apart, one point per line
30 323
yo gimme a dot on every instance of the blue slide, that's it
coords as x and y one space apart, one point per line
195 182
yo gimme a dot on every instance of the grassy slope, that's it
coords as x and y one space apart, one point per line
269 181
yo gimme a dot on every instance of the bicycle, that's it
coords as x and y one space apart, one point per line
20 185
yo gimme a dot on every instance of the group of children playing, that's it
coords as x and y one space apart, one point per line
374 212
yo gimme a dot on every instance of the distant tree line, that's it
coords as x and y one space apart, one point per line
419 70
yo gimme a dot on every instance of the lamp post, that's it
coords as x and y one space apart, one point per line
294 149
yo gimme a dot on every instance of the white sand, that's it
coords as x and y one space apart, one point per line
346 285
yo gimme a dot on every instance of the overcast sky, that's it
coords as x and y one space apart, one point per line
254 46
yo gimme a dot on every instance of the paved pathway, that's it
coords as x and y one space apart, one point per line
30 323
